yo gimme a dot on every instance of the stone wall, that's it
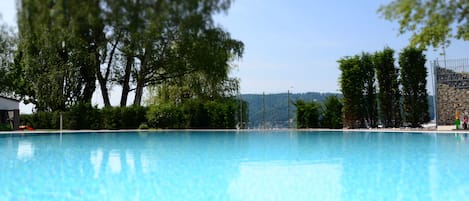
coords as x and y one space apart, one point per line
452 95
450 100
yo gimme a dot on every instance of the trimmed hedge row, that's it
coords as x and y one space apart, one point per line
194 114
191 114
85 116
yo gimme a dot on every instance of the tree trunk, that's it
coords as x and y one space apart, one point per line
104 92
139 92
125 84
90 87
141 80
104 79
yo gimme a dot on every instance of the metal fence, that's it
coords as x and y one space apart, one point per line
276 110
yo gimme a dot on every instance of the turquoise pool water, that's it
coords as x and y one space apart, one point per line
257 165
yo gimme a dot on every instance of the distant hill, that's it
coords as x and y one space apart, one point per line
276 107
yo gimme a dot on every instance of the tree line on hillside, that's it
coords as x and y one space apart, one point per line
376 91
64 50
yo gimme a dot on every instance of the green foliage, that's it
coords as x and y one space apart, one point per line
430 22
276 107
359 92
85 116
132 117
165 116
307 114
143 126
414 91
7 50
123 117
222 114
65 46
26 119
195 113
332 117
389 93
168 41
369 105
112 118
57 52
5 127
351 82
42 120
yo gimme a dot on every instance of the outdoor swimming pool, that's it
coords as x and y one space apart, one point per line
230 165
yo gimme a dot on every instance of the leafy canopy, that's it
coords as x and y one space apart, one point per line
431 22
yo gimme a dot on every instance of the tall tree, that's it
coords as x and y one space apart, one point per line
414 91
7 52
87 29
65 46
369 89
163 40
351 84
58 50
389 93
431 22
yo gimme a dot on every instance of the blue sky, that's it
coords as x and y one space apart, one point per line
294 45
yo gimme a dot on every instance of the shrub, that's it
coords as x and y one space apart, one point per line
196 114
210 114
143 126
42 120
5 127
111 117
165 116
26 119
83 116
132 117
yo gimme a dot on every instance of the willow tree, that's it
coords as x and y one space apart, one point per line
206 91
158 41
414 83
65 46
208 57
430 22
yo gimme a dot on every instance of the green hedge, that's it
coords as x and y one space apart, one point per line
190 114
5 127
85 116
194 114
166 116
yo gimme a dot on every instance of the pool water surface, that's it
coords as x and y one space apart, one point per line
231 165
